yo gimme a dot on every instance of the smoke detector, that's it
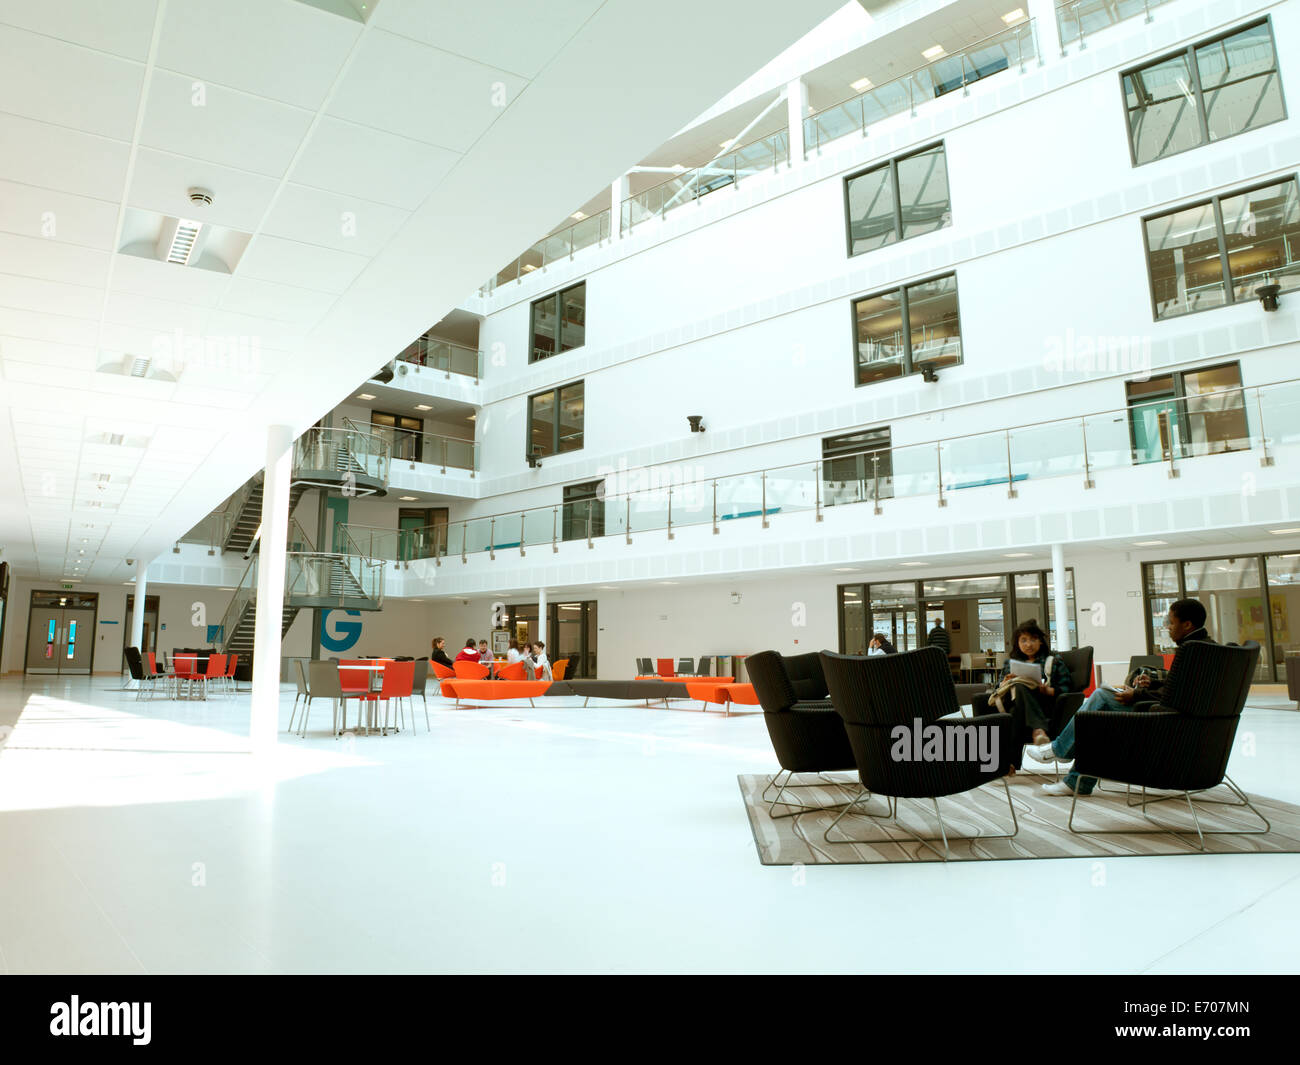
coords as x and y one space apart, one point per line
201 197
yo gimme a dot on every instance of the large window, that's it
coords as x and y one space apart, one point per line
857 466
1246 597
402 433
1181 415
907 330
1209 91
1220 250
559 322
555 420
898 199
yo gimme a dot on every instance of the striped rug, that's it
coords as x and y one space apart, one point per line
1042 819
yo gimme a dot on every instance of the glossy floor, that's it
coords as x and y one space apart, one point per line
141 837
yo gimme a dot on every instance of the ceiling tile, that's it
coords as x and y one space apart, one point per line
50 297
123 27
293 56
416 91
36 153
520 36
161 182
52 260
53 81
344 223
344 157
285 303
36 212
310 265
223 126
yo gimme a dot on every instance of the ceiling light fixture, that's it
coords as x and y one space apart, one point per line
578 215
408 499
1016 554
934 51
861 85
1014 16
1151 543
182 245
1283 532
140 365
423 406
364 395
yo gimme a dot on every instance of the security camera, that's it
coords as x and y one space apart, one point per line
534 457
1268 293
696 422
929 374
130 562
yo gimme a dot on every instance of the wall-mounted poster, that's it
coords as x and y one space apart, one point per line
500 641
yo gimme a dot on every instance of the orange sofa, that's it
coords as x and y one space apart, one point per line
491 690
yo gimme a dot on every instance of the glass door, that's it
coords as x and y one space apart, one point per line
1232 593
44 638
61 633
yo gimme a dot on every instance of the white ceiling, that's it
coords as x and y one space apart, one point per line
383 169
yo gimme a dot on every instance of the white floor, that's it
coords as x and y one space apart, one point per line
140 837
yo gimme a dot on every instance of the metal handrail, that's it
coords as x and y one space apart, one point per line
412 354
1021 33
1071 26
445 440
946 472
603 228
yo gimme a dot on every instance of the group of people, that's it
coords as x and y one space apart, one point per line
1029 699
533 655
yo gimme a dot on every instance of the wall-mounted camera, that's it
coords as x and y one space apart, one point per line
696 422
1268 293
929 374
534 457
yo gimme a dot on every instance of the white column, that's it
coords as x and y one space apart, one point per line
265 721
619 190
1060 608
541 619
1046 30
796 107
137 610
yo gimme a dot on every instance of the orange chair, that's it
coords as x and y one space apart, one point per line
183 669
558 668
513 671
354 676
471 670
399 680
230 672
216 670
440 671
664 667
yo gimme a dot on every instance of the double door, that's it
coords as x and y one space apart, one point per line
61 640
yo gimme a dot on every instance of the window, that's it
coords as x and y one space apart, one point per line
1218 252
1199 412
559 322
555 420
899 199
401 432
906 330
584 510
857 466
1205 93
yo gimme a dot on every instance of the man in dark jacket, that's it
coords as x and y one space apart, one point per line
938 637
1185 623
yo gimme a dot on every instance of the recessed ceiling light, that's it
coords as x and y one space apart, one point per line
140 365
187 232
1016 554
861 85
408 499
1283 532
529 267
364 395
1151 543
423 406
1014 16
845 569
113 438
911 563
934 52
578 215
678 167
727 143
471 417
669 582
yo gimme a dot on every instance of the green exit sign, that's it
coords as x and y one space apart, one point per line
67 587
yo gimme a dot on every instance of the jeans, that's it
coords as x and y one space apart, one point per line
1063 745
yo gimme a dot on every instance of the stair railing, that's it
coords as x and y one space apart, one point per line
234 507
245 593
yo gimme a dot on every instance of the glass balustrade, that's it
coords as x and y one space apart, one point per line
443 355
561 244
405 445
1169 430
1010 49
1078 19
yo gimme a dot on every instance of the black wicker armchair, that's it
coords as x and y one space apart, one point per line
807 734
895 709
1180 744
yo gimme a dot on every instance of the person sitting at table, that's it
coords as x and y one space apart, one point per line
513 654
1027 700
469 653
880 646
439 654
541 664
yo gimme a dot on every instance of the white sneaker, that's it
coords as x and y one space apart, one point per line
1058 788
1042 752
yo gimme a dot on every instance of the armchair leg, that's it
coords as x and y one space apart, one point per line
796 807
925 841
1173 830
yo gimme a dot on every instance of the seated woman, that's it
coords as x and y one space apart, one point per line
1028 702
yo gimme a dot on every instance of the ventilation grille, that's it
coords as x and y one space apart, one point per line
183 239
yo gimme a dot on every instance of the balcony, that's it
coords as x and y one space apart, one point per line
428 352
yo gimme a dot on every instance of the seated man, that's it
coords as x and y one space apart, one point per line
1185 623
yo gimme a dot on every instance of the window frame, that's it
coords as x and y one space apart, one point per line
1221 238
1178 394
557 299
892 166
1189 52
554 393
910 369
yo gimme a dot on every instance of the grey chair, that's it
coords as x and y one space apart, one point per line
685 667
325 684
705 666
418 682
304 692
